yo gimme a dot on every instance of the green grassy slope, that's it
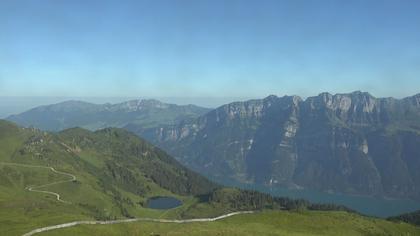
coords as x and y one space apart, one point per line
116 174
265 223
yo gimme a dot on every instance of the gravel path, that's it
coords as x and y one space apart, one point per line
34 188
71 224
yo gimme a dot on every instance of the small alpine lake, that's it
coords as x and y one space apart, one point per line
163 202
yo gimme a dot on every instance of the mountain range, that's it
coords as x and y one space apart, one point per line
347 143
141 112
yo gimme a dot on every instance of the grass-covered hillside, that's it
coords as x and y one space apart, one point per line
411 217
264 223
116 173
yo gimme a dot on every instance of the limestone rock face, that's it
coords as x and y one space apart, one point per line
350 143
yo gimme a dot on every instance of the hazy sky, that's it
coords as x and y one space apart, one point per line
195 48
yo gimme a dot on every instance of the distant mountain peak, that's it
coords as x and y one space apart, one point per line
360 93
67 106
271 97
139 104
325 94
414 100
356 93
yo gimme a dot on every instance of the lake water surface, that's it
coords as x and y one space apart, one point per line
163 203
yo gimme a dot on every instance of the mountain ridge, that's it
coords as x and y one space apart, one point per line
72 113
346 142
327 142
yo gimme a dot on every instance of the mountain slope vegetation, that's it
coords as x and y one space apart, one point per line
411 217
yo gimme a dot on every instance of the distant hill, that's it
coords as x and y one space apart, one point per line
144 113
348 143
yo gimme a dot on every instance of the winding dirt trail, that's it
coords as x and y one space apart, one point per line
75 223
34 188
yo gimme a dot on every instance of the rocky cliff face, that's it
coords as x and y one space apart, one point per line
351 143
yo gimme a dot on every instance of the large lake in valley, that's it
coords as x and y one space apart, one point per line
163 203
367 205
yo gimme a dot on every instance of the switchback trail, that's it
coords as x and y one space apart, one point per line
74 223
34 188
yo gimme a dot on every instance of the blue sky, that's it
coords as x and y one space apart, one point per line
195 48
